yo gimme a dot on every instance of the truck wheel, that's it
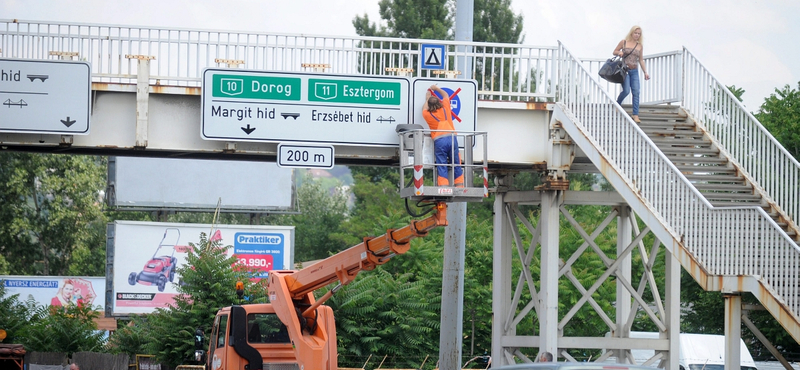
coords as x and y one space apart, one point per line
132 278
162 282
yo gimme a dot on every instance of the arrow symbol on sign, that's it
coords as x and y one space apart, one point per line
248 130
67 122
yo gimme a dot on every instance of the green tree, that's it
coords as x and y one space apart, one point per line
495 21
409 19
67 329
384 314
322 210
14 315
780 114
208 284
51 220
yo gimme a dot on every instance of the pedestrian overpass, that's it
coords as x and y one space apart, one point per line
716 193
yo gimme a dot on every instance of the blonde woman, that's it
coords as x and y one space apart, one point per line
632 50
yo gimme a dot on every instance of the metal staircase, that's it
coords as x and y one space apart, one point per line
702 161
713 185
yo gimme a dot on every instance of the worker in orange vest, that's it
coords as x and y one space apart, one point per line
439 117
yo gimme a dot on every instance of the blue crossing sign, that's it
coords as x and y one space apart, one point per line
433 56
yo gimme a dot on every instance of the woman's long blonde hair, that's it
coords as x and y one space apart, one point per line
629 36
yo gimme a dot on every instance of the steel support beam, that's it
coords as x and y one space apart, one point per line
672 296
733 331
548 305
501 272
623 305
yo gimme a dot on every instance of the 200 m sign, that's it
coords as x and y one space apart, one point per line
306 156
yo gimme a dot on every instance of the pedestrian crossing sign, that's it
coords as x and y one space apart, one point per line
433 56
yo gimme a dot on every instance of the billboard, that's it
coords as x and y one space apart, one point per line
57 290
136 183
144 257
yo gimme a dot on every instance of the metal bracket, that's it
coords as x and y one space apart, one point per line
232 63
318 67
400 71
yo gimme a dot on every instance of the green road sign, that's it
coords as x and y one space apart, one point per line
357 91
295 107
256 87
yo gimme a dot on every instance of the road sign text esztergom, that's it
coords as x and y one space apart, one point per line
299 107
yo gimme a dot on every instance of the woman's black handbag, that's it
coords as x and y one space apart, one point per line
614 70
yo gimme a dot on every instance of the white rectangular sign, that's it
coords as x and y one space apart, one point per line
58 290
48 97
146 256
167 183
305 156
463 101
302 107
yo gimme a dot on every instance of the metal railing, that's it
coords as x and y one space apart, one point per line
665 85
751 146
503 71
726 241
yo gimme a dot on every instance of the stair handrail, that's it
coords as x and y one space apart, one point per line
727 125
753 246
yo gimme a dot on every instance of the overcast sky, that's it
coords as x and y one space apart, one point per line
748 43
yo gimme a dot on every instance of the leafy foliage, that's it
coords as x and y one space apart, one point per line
62 329
780 114
321 214
14 315
51 220
409 19
208 284
384 314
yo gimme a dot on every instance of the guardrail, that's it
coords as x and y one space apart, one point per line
726 241
503 71
767 163
665 84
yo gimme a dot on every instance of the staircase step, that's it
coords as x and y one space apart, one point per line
673 133
693 159
717 178
738 203
675 141
687 150
665 121
731 196
656 110
724 187
704 170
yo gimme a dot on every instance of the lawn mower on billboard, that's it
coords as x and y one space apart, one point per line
161 267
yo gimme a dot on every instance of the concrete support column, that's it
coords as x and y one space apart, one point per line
733 331
672 296
548 305
501 273
450 335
